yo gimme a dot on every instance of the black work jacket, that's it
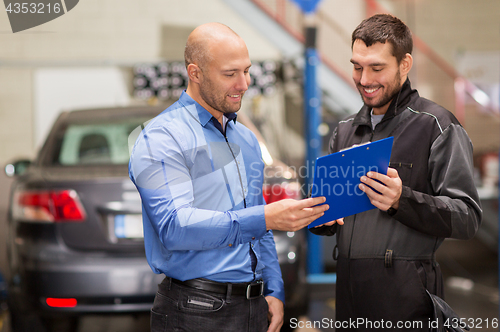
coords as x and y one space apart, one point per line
433 156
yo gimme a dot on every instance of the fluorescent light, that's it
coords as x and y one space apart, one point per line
266 156
481 97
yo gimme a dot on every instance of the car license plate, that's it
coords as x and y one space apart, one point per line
128 226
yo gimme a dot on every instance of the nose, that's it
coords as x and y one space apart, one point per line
243 82
365 78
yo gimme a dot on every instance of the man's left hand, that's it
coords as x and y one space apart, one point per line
389 188
275 315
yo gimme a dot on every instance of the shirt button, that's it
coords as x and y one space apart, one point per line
230 244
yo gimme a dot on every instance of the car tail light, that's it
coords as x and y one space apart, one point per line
61 303
276 192
48 206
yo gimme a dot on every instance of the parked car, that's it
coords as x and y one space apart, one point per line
76 245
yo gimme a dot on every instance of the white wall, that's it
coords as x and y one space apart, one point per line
59 89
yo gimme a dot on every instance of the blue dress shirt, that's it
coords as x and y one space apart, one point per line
201 191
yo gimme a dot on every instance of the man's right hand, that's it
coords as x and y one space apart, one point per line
292 215
339 221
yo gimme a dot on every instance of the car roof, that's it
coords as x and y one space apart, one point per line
107 113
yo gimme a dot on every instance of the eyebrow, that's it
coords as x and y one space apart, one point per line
235 69
375 64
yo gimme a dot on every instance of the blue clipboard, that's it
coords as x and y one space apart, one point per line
337 176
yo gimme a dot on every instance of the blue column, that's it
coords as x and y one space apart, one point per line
312 120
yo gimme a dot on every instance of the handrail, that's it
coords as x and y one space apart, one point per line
280 18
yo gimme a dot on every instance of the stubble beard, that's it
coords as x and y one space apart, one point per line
391 91
216 99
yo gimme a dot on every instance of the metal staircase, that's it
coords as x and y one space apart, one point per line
283 23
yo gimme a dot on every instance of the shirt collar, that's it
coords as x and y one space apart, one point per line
218 125
202 114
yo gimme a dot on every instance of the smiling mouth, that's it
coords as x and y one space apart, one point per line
238 96
370 90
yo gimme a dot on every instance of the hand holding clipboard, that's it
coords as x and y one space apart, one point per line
337 177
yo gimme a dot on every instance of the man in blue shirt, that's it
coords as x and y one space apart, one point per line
206 226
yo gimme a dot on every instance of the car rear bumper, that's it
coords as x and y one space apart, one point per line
98 284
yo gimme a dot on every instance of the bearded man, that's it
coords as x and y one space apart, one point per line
386 264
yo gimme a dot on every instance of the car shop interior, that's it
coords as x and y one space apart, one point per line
79 80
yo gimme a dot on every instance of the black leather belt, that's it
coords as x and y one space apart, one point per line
250 290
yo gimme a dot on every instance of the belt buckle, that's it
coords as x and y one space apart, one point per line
260 284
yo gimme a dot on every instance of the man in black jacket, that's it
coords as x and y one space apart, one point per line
386 256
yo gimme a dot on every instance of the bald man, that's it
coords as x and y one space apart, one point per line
206 225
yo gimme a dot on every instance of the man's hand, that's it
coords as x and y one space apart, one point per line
275 314
389 190
292 215
339 221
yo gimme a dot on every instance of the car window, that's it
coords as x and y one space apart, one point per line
97 143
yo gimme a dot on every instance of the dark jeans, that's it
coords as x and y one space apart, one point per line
180 308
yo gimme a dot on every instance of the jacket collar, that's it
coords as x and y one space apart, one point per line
400 101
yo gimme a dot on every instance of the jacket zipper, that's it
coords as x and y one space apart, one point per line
350 247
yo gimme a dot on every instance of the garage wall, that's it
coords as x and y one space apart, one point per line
74 88
16 135
97 33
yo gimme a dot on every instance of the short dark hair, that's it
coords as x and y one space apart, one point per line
384 27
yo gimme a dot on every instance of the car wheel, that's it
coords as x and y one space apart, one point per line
26 322
61 324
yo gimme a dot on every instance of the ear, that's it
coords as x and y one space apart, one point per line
406 64
194 72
